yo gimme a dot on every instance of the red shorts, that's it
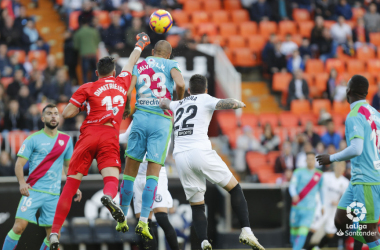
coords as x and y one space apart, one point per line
100 142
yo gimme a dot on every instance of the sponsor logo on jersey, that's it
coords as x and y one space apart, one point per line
158 198
185 132
61 142
356 211
22 149
148 102
123 74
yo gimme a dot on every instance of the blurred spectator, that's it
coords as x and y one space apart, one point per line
63 86
302 4
341 34
3 101
342 145
372 19
376 100
325 46
187 41
35 86
281 10
9 34
331 137
276 60
261 11
325 8
298 88
301 156
13 66
204 39
268 48
317 31
288 46
86 41
343 9
126 16
33 119
295 62
87 13
24 99
312 137
331 84
305 49
360 35
22 19
70 56
324 117
245 142
6 166
286 160
13 119
115 33
320 148
51 69
137 27
30 34
340 91
118 68
269 140
15 86
3 58
41 45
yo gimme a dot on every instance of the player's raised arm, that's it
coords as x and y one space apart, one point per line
19 170
179 83
143 40
229 103
127 110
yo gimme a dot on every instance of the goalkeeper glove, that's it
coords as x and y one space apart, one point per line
142 40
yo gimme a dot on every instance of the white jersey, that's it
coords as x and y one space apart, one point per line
333 188
123 138
192 117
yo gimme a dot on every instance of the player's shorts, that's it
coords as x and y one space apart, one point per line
326 220
195 166
163 197
150 134
100 142
44 202
368 195
301 217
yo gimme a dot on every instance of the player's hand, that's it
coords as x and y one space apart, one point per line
24 189
127 112
143 40
164 105
323 160
295 198
79 196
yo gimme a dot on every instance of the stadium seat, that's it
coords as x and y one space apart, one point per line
207 28
82 232
319 104
227 29
355 66
265 174
249 120
320 130
288 119
40 56
281 81
220 16
15 139
287 27
321 81
374 38
236 41
19 53
173 40
373 66
272 119
300 107
199 17
305 28
61 107
267 28
232 5
190 6
228 52
180 17
5 3
306 117
218 39
226 120
247 29
239 16
339 118
369 76
328 23
314 66
372 90
301 15
342 108
272 156
357 13
309 78
351 23
365 53
73 20
104 231
337 64
256 43
255 161
104 18
5 81
243 57
212 5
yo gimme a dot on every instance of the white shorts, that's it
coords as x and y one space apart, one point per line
163 197
195 166
327 219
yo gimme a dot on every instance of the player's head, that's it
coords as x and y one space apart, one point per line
310 159
339 168
162 49
357 88
50 116
105 67
197 85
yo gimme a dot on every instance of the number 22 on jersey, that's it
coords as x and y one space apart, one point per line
191 112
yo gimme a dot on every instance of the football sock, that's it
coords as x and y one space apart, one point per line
150 244
199 221
64 203
148 195
299 241
293 235
45 245
126 192
239 205
153 230
111 184
11 240
375 245
358 245
170 234
307 241
324 241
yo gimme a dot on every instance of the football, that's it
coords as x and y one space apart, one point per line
161 21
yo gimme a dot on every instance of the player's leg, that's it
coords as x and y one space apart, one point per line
324 241
46 218
305 218
45 244
13 236
161 214
149 244
358 245
198 210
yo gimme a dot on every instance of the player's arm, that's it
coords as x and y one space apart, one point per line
164 103
70 111
127 110
123 138
293 187
19 170
143 40
179 83
229 103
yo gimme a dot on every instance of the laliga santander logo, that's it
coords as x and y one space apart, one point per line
358 210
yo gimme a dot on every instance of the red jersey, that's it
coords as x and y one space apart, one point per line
105 99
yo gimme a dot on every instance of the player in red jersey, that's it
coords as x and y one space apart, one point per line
104 101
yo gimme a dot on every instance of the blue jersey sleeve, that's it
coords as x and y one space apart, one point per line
293 184
320 189
69 150
354 127
26 148
134 71
174 64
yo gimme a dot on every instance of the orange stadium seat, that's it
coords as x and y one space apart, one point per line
228 53
173 40
227 29
272 156
342 108
239 16
369 76
357 13
189 26
328 23
351 23
337 64
104 17
19 53
339 119
355 66
307 117
309 78
301 15
272 119
207 28
314 66
190 6
40 56
16 138
282 133
267 28
73 20
300 107
199 17
255 161
220 16
365 53
374 38
61 107
319 104
5 81
373 66
372 90
212 5
341 55
288 119
243 57
249 120
247 28
218 39
256 43
286 27
281 81
321 81
305 28
297 38
236 42
232 5
4 4
180 17
226 120
265 174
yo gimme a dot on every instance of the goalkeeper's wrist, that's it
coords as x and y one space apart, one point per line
138 48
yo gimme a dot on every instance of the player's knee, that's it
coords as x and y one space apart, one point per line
338 223
19 227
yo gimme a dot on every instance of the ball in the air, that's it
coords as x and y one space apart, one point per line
161 21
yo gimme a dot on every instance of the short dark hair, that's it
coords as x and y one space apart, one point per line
105 65
50 105
359 86
310 153
198 84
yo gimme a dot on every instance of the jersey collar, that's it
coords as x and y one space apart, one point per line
352 105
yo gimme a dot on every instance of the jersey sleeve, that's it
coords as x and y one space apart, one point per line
134 71
69 150
293 184
26 148
211 102
173 105
174 64
354 127
124 78
80 96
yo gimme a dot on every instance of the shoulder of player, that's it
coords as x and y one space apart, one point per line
32 136
319 171
60 132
